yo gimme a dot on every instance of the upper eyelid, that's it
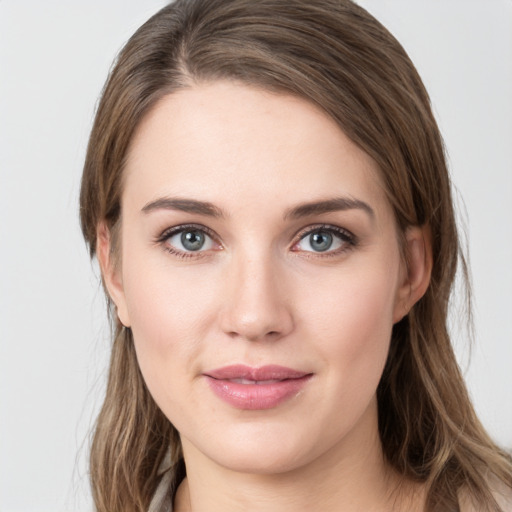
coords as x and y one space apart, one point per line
168 232
326 227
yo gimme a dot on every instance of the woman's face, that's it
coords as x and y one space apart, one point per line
260 274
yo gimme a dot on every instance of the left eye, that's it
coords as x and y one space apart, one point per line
190 240
322 240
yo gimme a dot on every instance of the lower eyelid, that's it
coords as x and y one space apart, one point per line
183 254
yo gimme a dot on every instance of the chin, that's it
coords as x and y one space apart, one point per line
261 461
259 449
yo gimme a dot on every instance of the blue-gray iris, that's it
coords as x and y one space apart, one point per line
192 240
320 241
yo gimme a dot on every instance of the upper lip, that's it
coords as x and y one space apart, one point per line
262 373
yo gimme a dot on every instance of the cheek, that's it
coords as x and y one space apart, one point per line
166 301
352 323
170 317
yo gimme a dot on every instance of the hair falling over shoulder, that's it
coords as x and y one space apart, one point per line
132 435
336 55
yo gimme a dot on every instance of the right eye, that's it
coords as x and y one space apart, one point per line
186 240
191 241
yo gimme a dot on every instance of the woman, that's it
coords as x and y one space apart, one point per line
266 191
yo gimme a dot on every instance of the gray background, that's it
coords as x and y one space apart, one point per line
54 57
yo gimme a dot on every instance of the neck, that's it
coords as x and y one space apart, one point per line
352 476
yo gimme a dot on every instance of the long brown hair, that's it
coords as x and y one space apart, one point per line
336 55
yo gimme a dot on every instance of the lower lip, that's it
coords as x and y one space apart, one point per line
257 396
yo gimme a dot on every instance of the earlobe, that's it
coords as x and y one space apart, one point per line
111 272
417 270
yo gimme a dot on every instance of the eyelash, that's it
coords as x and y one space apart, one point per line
349 239
162 239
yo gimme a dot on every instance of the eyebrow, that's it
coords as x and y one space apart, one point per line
329 205
297 212
184 205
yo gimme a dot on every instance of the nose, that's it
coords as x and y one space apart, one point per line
255 305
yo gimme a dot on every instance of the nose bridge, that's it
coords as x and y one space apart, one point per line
255 305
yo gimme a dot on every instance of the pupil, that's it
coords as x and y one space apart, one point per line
321 241
192 240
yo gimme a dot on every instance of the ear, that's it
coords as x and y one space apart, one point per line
111 272
416 271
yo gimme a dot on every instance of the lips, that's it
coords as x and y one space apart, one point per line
244 387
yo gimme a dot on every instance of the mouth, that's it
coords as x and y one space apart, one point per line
266 387
257 382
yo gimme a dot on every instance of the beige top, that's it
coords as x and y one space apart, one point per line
162 499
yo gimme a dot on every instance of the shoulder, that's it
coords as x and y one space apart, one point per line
501 493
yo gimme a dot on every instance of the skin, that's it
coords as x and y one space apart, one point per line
259 293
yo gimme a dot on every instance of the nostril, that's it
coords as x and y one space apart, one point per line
270 335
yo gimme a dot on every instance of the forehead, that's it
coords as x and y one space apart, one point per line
224 141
